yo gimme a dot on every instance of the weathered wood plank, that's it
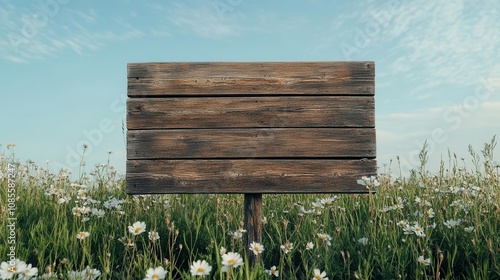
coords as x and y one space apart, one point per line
247 176
229 78
251 143
261 127
223 112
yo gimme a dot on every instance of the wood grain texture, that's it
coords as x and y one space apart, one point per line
252 210
227 112
262 78
259 127
251 143
247 176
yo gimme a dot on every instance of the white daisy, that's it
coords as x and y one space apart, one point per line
273 271
200 268
137 228
155 273
82 235
318 275
231 259
424 262
256 248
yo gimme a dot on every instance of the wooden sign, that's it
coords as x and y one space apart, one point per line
260 127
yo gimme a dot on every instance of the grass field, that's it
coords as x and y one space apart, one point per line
442 225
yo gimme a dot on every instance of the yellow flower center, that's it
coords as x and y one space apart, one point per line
256 248
137 229
232 261
155 276
318 276
12 269
200 269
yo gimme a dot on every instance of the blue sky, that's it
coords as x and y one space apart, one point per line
63 65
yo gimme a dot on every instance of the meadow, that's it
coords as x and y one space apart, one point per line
427 225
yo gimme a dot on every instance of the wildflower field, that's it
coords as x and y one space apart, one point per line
428 225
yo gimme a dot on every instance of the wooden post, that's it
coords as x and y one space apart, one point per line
253 223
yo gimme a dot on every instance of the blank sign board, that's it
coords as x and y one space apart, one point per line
253 127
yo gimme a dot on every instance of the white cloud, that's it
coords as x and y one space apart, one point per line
59 29
443 38
217 19
13 58
386 136
485 116
451 126
160 31
428 44
494 106
201 19
405 116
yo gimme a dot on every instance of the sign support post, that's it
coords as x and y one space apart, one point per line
253 223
